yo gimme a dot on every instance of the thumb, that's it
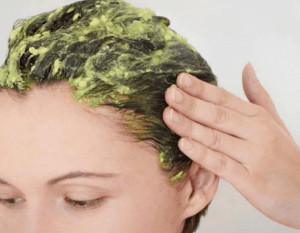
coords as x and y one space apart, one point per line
257 94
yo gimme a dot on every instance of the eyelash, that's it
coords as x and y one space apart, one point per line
81 205
7 202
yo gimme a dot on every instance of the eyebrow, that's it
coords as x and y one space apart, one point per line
72 175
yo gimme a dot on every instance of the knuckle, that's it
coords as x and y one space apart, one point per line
222 97
200 88
215 140
190 129
204 154
256 111
191 106
221 165
220 116
261 112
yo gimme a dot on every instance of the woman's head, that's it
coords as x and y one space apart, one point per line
115 62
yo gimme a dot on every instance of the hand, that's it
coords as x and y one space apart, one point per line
244 143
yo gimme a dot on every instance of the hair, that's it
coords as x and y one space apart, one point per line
114 54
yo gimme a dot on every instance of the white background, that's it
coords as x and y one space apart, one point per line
228 34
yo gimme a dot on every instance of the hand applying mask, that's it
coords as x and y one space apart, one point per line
245 143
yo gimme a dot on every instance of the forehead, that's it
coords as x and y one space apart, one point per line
49 128
43 103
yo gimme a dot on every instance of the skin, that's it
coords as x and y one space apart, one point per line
49 135
245 143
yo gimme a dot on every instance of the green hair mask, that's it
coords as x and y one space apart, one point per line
111 53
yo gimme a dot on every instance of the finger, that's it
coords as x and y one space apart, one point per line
258 95
214 94
254 90
218 163
211 115
234 147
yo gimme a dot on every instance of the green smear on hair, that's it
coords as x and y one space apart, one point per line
176 177
111 53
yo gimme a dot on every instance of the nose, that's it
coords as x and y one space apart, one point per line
39 218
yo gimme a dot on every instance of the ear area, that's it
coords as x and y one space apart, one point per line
204 186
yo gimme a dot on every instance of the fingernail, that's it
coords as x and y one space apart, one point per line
176 95
186 144
186 80
174 115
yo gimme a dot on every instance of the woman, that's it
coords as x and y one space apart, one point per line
114 61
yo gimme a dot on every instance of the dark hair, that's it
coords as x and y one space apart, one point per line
113 54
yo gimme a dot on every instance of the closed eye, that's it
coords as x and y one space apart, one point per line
11 202
89 204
